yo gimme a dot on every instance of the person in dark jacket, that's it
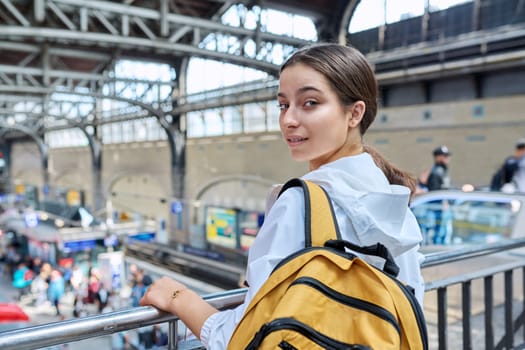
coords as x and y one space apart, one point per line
503 178
439 178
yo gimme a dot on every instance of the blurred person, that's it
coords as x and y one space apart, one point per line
77 279
134 274
93 286
506 178
519 175
13 258
79 309
102 297
439 178
56 289
36 265
22 279
39 289
138 289
46 271
67 271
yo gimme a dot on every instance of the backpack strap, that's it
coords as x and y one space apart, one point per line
320 218
319 214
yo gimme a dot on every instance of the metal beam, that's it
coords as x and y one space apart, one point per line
136 43
76 75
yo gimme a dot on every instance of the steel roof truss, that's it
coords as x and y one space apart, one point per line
14 11
114 17
61 15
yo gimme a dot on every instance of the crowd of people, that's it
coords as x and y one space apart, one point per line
44 286
45 283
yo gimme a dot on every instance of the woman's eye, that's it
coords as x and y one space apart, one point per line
310 103
282 106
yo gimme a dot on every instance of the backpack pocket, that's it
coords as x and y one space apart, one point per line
356 303
358 322
296 335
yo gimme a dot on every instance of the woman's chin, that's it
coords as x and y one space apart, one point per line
299 157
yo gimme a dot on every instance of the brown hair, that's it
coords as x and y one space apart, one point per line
352 78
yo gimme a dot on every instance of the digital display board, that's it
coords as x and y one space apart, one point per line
249 222
221 226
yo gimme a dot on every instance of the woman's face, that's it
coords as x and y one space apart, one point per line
315 125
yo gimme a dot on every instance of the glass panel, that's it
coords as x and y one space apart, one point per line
127 131
232 120
466 221
195 124
214 125
482 221
272 112
254 118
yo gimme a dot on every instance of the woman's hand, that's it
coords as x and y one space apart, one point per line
162 294
171 296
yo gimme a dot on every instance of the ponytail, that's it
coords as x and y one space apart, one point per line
394 175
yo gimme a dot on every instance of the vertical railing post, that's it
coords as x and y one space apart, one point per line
466 310
442 318
489 306
173 335
523 302
509 326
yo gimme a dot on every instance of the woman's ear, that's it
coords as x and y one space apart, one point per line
357 111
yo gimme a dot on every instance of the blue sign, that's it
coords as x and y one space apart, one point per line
79 246
31 220
115 279
176 207
143 236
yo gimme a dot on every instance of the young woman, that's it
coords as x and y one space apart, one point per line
328 99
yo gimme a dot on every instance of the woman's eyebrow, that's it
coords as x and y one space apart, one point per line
307 88
301 90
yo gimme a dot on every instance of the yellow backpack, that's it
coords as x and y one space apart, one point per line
323 297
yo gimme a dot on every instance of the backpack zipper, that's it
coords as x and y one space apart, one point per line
287 323
356 303
418 312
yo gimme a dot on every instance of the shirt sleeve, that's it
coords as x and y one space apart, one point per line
218 328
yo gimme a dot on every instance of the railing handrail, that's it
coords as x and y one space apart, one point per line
105 324
67 331
468 252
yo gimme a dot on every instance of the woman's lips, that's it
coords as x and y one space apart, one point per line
295 140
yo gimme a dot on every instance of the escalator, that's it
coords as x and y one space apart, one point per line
223 274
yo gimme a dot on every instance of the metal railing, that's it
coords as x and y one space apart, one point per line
105 324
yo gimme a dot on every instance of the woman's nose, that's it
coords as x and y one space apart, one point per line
289 117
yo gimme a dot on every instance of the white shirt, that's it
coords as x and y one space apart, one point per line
368 210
